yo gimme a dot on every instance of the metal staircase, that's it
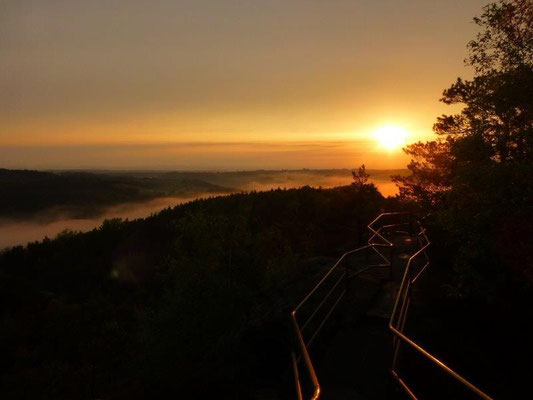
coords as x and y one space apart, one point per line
310 317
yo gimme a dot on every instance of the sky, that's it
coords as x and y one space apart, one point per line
223 84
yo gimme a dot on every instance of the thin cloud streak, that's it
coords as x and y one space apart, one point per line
202 156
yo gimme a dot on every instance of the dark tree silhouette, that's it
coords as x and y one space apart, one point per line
495 127
476 176
360 177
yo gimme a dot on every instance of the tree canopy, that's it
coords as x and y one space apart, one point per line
476 175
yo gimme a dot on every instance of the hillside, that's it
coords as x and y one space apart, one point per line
53 195
151 308
26 193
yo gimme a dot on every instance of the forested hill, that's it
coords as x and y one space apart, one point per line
85 194
193 297
26 193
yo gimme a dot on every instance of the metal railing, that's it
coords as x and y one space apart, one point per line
334 284
399 316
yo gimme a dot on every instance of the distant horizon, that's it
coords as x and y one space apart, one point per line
141 170
202 156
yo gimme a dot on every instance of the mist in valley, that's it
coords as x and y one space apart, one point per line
50 224
54 220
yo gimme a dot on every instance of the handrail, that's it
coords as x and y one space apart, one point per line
308 362
399 316
376 241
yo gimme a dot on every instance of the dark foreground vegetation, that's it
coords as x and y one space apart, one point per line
192 300
476 181
476 177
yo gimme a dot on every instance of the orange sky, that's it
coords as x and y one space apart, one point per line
204 84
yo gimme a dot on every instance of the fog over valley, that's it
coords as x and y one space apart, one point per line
100 195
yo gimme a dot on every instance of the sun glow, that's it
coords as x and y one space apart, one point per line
391 137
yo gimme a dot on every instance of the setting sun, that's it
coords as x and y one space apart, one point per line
391 137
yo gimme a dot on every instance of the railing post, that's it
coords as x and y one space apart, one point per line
294 353
298 385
